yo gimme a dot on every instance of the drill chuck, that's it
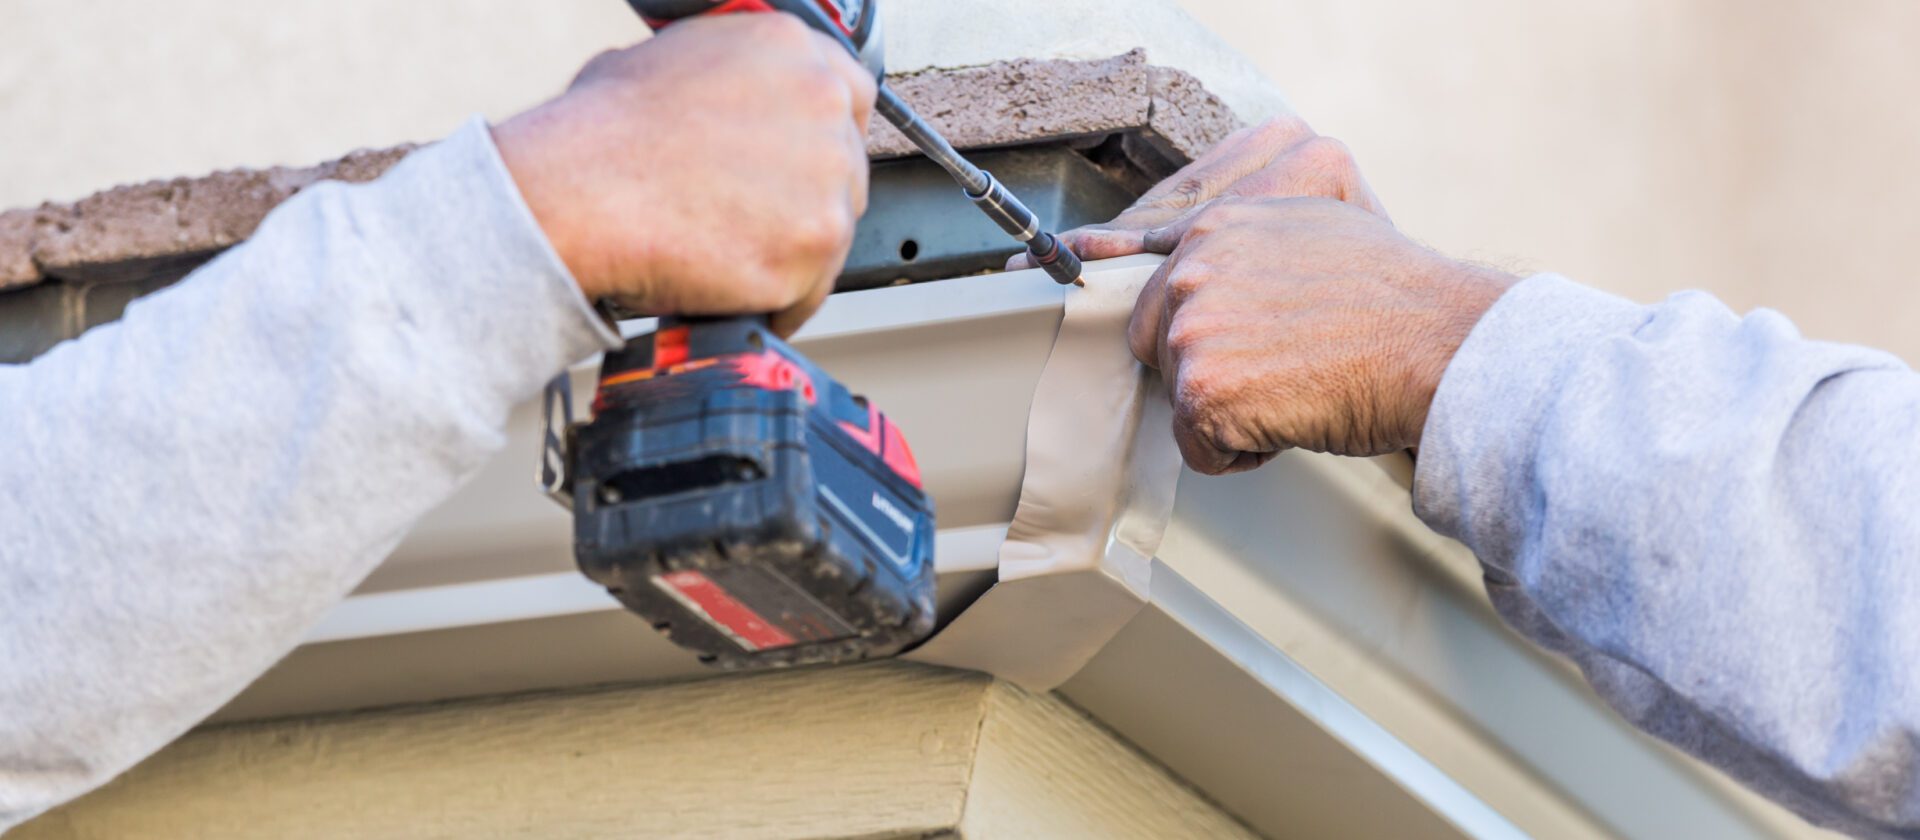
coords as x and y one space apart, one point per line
1012 216
1059 261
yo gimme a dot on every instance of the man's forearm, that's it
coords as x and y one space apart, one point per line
1714 518
185 492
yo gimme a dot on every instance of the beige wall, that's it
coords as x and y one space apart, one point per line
1767 151
887 750
96 94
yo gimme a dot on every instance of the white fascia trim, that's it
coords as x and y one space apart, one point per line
1324 558
1253 654
372 615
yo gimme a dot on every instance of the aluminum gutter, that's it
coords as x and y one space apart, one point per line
1309 655
1204 693
1320 561
482 597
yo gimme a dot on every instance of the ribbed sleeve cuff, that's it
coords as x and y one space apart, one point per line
1477 451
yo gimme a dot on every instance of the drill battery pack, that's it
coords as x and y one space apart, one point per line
747 505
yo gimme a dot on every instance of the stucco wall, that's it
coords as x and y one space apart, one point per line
1764 151
96 94
1769 152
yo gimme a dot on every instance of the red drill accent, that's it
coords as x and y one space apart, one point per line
701 594
832 10
884 439
774 372
669 347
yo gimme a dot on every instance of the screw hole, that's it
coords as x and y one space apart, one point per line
909 250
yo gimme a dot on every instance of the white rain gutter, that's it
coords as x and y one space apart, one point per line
1299 647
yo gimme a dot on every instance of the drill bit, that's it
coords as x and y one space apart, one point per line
986 191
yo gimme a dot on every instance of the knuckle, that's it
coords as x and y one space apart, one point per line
1186 193
1198 398
1184 342
866 87
823 231
1282 129
1189 335
781 32
1186 281
818 93
1293 125
602 64
841 227
1328 154
1218 215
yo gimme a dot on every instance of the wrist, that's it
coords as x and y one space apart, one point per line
1463 293
532 144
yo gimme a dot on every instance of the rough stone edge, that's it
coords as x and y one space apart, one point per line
1186 115
998 104
16 250
161 220
1022 101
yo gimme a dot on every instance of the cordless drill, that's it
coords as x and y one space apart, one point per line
731 492
746 504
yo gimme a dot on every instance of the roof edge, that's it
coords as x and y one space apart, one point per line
999 104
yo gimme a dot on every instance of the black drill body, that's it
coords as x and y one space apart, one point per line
749 506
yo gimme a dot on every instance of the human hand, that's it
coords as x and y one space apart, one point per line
715 169
1281 158
1305 322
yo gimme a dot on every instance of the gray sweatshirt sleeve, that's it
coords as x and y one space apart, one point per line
1716 519
183 493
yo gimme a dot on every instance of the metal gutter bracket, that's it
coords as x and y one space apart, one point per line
1094 501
